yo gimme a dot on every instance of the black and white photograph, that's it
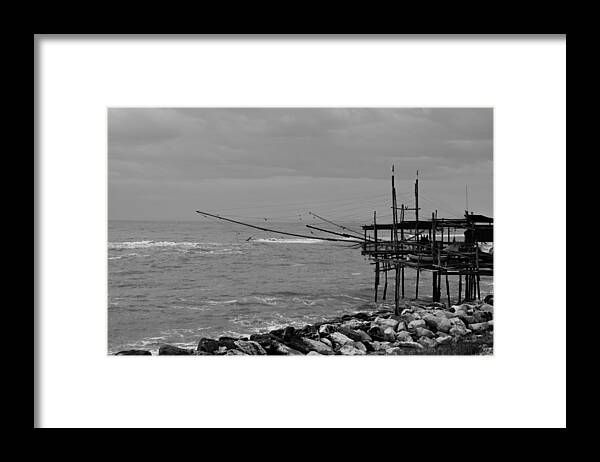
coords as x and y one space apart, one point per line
300 231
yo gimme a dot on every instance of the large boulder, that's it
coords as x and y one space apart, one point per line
350 333
133 353
170 350
422 332
208 345
350 350
235 353
416 323
327 342
437 322
281 349
384 323
458 331
364 337
393 351
297 343
389 334
403 336
413 345
380 346
228 342
318 346
340 339
479 327
289 332
355 324
361 346
313 353
250 347
444 339
325 329
376 333
427 342
457 322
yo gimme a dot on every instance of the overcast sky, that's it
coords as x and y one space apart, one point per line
279 163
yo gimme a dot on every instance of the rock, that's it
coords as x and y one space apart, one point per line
422 332
431 321
427 342
377 346
384 323
414 345
313 353
416 323
267 341
362 316
340 339
489 299
325 329
487 307
318 346
222 350
458 331
350 333
364 337
250 347
228 342
389 334
173 350
281 349
457 322
288 332
403 336
327 342
297 343
368 346
354 324
208 345
361 346
444 339
401 326
235 353
482 316
350 350
376 333
479 327
133 353
393 351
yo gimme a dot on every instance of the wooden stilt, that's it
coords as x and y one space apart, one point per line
385 271
448 289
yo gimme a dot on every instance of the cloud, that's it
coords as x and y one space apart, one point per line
186 145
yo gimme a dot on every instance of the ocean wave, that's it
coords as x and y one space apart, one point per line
149 244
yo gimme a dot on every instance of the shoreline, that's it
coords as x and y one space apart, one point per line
422 328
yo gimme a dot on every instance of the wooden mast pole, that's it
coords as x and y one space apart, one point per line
395 246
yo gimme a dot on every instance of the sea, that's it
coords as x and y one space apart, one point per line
178 281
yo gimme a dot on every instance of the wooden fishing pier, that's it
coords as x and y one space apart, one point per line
417 244
429 245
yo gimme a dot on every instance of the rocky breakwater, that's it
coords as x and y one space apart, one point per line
433 329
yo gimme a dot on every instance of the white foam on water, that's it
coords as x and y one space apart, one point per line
149 244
